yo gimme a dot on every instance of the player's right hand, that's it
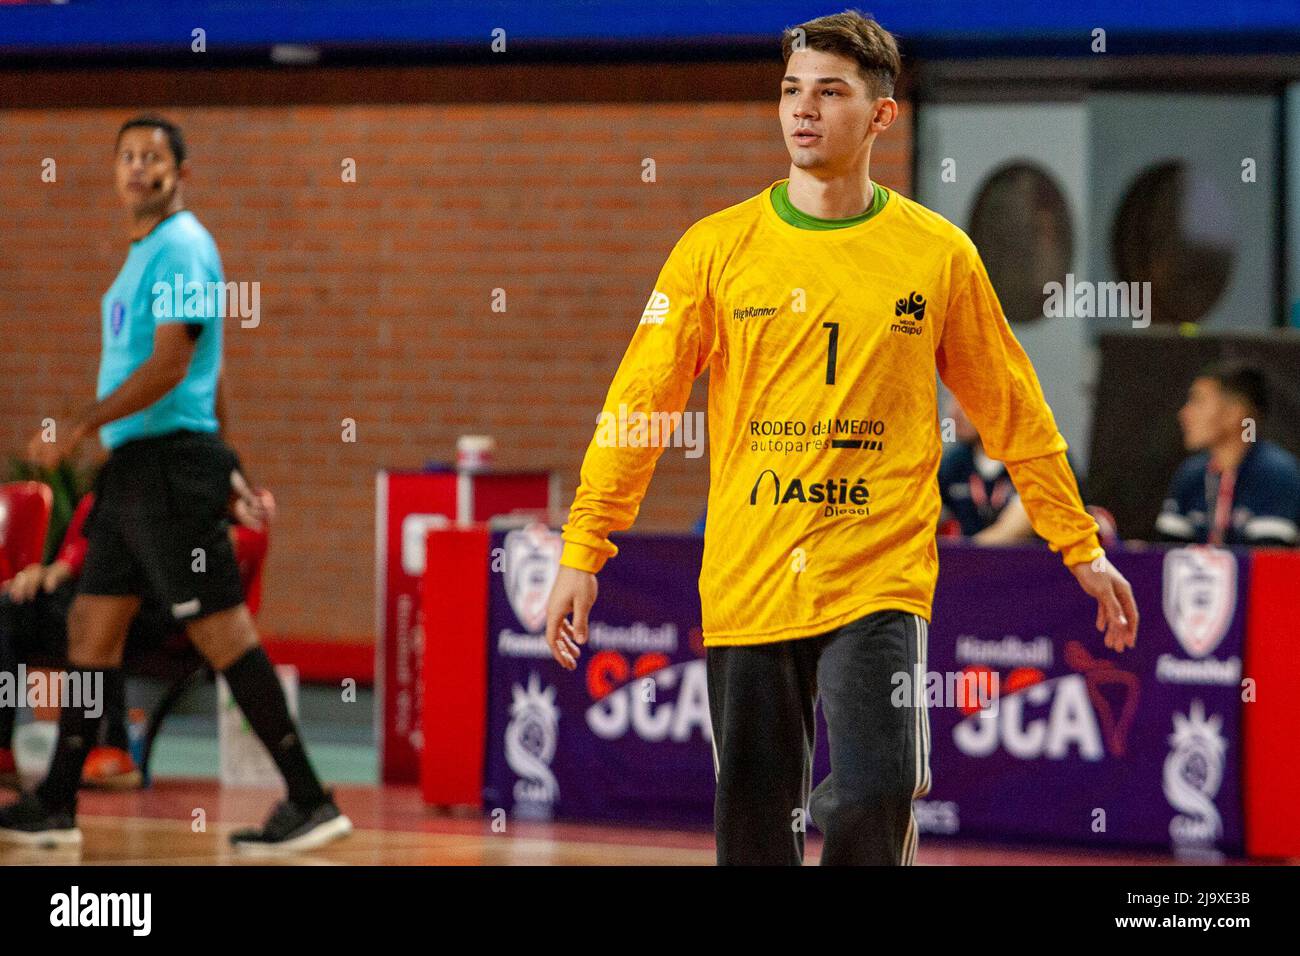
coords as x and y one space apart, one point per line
47 454
573 593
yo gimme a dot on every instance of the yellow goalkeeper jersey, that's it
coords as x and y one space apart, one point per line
823 425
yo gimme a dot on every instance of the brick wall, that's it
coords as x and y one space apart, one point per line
376 296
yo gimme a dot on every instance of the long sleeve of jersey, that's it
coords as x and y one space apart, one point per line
986 368
669 350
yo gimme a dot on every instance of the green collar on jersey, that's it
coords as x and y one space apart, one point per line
781 203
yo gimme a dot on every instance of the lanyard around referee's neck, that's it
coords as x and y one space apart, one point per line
1226 481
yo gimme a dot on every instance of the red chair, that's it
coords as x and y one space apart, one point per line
250 550
25 508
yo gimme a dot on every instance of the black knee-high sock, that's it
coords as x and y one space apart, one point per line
77 734
113 727
259 695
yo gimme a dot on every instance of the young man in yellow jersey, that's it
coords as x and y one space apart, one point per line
823 308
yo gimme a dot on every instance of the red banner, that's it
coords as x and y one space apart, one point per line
1271 782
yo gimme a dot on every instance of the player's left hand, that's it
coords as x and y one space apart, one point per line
252 509
1117 612
48 454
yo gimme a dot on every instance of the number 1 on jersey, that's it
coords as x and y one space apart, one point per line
831 347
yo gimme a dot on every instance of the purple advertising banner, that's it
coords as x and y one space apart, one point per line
601 742
1081 744
1073 743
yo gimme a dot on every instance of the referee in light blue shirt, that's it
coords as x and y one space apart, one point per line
159 523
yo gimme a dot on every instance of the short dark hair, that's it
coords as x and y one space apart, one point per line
175 138
855 37
1240 380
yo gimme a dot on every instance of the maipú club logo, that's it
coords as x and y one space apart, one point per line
909 311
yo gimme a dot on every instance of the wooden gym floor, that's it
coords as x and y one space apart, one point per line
394 828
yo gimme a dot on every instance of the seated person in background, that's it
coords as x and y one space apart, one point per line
978 496
33 625
1234 490
33 611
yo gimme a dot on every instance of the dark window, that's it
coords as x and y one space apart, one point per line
1174 230
1021 226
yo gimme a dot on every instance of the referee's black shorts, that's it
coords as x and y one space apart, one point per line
159 525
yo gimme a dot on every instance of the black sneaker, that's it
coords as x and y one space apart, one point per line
28 822
290 828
